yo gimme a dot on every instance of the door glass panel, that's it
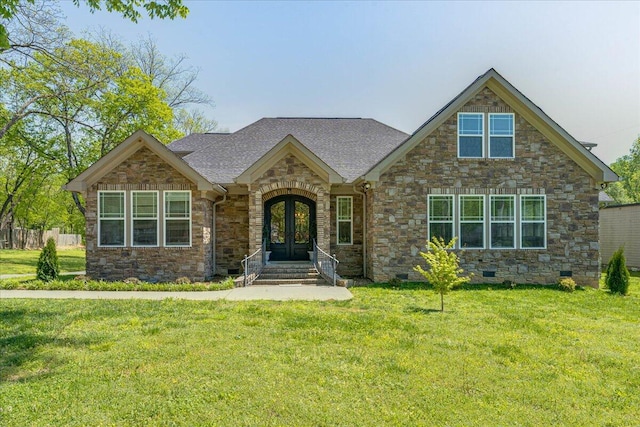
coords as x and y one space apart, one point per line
277 223
301 217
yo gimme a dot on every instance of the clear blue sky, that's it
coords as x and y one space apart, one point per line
400 62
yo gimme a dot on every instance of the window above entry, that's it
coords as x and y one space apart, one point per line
477 141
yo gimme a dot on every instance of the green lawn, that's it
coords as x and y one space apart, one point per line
15 261
530 356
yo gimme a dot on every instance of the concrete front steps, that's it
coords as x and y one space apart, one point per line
290 273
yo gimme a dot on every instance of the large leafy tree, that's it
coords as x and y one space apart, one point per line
130 9
65 102
98 98
627 190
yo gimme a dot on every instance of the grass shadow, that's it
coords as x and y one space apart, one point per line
25 333
419 286
421 310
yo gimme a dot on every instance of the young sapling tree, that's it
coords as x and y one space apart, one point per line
444 267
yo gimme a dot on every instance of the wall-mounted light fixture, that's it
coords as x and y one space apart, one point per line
366 186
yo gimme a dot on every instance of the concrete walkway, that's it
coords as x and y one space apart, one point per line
274 293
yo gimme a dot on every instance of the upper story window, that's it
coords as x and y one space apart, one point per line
501 138
471 135
345 220
111 218
177 218
144 220
476 141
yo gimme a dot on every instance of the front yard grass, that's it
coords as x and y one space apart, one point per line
16 261
527 356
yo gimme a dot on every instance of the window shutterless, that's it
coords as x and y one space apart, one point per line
502 220
441 214
344 211
471 135
177 218
533 222
144 218
471 221
501 135
111 218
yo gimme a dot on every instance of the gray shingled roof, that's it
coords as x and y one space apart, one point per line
196 141
349 146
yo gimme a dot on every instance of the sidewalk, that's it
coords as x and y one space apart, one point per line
273 293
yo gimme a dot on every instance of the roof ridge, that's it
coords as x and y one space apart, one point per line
315 118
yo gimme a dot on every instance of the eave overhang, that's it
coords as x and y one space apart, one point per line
126 149
289 145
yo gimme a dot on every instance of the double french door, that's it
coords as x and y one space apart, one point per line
289 227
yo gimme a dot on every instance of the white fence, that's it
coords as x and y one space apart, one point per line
35 239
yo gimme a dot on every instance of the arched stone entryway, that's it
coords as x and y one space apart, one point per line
260 197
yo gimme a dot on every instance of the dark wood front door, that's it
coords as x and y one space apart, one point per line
290 226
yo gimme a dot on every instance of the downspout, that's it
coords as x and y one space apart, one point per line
364 228
213 233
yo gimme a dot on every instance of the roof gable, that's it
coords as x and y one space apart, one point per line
520 104
289 145
348 146
125 150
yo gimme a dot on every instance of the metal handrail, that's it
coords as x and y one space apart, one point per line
325 264
253 264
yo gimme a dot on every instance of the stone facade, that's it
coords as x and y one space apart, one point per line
232 234
146 171
289 175
399 204
393 212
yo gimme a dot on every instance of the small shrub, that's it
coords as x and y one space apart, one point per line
567 284
618 276
509 284
132 281
395 282
81 278
183 281
48 266
228 283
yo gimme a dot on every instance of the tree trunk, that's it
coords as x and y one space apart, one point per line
76 200
442 302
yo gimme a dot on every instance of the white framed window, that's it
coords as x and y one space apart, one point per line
441 214
471 135
471 225
503 222
533 222
111 218
144 218
501 136
344 220
177 218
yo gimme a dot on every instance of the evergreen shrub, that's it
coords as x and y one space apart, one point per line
618 276
48 266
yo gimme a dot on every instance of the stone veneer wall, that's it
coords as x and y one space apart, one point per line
232 233
289 173
399 204
146 171
350 256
